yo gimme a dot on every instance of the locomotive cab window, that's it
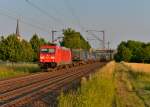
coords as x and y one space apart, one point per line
47 50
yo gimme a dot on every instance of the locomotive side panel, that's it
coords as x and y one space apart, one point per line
65 56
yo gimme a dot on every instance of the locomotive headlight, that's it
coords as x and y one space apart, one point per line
52 57
41 57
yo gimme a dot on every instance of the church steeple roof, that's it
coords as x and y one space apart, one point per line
17 29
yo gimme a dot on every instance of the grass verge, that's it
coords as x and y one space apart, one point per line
11 70
97 92
115 85
126 95
141 83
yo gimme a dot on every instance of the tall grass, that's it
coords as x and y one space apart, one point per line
126 95
141 84
10 70
97 92
115 85
138 67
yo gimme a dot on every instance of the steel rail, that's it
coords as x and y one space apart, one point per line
32 90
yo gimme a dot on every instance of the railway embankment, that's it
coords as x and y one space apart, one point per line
31 89
99 91
115 85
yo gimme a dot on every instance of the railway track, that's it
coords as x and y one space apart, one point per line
22 90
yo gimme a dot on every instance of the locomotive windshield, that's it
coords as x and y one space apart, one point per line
47 50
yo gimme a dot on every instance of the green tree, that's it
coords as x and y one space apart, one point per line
42 41
28 53
68 31
146 54
2 48
14 50
136 48
11 49
124 53
75 40
118 55
133 51
36 42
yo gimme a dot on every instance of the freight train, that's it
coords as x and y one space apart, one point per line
51 56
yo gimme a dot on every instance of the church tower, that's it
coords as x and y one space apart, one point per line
17 31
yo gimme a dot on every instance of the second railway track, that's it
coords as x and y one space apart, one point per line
19 91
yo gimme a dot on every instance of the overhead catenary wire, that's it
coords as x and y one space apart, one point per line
75 17
57 11
70 8
22 21
62 15
45 12
95 36
29 19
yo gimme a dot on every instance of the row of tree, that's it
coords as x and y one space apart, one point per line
133 51
16 50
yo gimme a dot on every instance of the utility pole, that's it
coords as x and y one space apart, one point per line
108 44
53 32
109 51
101 40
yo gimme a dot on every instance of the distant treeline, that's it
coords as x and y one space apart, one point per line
19 50
133 51
15 50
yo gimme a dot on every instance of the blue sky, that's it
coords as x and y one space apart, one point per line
121 19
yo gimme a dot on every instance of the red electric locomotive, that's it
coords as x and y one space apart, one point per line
52 56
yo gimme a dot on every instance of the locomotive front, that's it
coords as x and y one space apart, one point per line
52 56
47 57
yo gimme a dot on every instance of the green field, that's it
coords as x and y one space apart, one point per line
12 70
115 85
